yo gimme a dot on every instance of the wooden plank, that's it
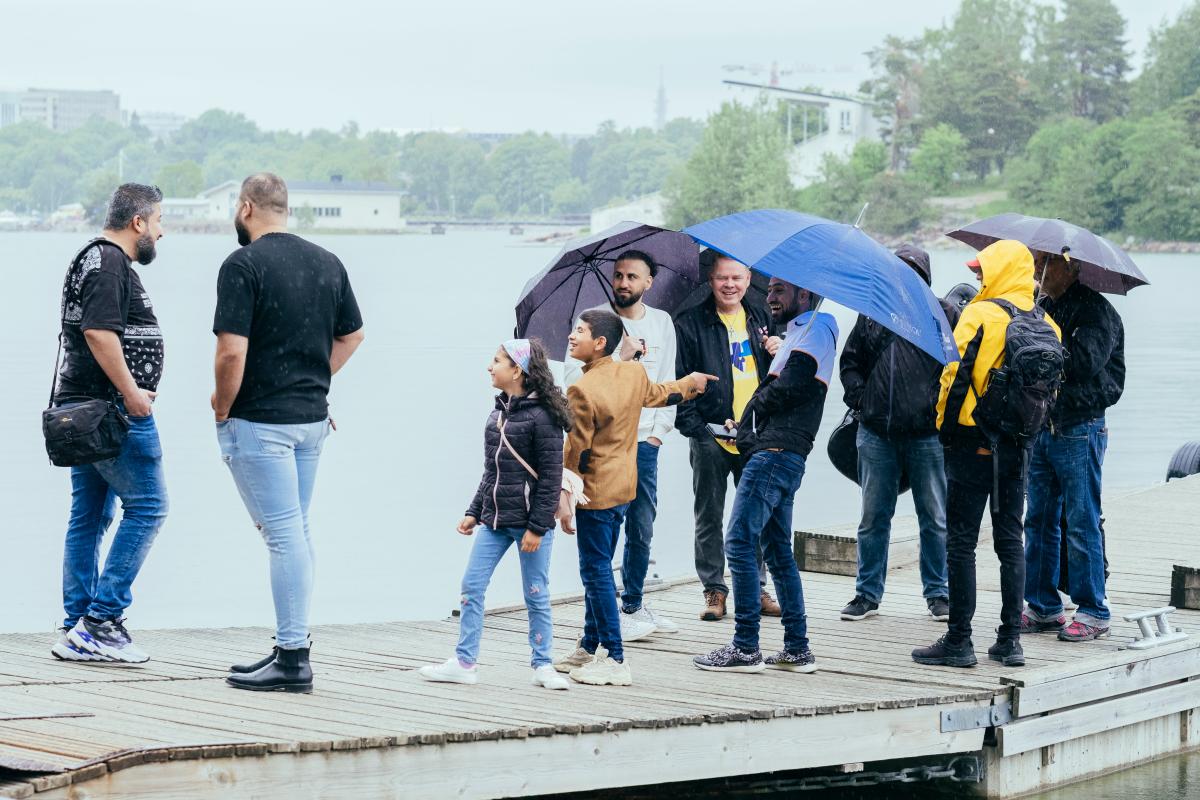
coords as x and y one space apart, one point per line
1081 667
1032 733
1098 684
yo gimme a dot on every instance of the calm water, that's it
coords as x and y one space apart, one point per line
411 406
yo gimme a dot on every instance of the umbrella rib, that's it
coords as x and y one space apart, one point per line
551 293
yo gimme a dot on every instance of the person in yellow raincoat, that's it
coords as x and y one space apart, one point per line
978 471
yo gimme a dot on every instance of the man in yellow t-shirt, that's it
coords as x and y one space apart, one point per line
723 336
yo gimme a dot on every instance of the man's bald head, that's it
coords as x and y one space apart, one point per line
267 192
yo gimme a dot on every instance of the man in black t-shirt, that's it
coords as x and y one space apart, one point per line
112 348
286 321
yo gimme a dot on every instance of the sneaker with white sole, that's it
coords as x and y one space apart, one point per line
728 658
549 678
637 626
603 671
663 624
108 639
450 671
800 661
65 650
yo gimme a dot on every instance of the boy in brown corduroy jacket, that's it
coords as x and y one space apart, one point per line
606 404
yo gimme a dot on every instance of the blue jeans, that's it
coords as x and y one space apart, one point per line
135 476
490 546
275 468
597 532
762 512
1064 472
880 464
639 528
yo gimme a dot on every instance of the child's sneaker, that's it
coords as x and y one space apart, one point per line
730 659
603 671
546 676
802 661
450 671
577 658
65 650
108 639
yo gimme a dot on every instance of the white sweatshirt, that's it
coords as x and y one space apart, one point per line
657 332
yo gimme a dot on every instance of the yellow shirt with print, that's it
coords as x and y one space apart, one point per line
742 366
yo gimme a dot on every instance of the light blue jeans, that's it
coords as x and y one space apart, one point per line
275 468
490 546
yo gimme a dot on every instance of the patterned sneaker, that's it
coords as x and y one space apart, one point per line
1082 632
637 626
663 624
803 661
108 639
730 659
1032 624
65 650
939 608
859 608
450 671
577 658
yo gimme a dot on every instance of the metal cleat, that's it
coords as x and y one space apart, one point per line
1161 634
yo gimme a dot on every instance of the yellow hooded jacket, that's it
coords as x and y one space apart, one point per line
1007 268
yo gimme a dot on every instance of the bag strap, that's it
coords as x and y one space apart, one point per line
504 440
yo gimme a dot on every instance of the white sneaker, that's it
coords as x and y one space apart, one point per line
637 626
450 671
109 640
65 650
663 624
577 658
603 672
546 676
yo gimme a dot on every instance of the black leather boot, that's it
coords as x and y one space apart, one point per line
288 672
242 669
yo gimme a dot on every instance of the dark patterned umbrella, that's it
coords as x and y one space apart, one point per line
1102 265
580 277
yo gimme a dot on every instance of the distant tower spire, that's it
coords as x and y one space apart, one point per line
660 103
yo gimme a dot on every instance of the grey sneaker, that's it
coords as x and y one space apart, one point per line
859 608
939 608
577 658
802 661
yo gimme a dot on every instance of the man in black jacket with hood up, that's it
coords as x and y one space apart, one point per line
893 388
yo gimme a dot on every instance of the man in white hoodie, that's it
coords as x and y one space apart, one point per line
650 339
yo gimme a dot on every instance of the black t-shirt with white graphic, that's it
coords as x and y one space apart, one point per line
290 298
102 291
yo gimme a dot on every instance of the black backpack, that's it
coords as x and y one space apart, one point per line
1022 391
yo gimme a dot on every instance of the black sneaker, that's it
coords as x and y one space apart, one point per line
939 608
1008 652
860 608
945 653
730 659
802 661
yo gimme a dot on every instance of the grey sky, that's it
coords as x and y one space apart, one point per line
478 64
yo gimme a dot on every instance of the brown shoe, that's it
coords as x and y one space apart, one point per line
769 607
714 605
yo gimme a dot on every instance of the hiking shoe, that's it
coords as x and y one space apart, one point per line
730 659
802 661
663 624
1082 632
1032 624
1008 652
450 671
859 608
714 605
637 626
769 607
939 608
577 658
547 677
603 671
108 639
65 650
945 653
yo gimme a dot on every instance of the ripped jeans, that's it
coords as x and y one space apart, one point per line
275 468
490 546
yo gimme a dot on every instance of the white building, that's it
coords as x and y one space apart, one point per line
818 125
649 209
335 204
161 124
63 110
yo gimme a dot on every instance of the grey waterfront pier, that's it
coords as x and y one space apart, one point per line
374 729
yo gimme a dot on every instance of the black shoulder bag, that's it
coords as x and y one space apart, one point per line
86 432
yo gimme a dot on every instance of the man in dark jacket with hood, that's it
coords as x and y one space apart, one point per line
893 386
1065 465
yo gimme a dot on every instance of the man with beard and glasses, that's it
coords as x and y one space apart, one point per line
286 322
112 349
650 339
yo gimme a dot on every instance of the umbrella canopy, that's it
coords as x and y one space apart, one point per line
580 277
1102 265
839 262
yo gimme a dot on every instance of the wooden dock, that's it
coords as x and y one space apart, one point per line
374 729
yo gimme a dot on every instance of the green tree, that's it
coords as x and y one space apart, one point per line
1030 177
525 170
569 197
897 67
740 163
941 158
1172 63
1161 180
97 188
1081 190
486 206
199 137
181 179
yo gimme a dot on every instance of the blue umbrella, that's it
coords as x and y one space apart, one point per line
839 262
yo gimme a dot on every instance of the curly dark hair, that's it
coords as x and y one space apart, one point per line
539 379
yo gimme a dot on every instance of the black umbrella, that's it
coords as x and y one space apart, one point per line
580 277
1103 266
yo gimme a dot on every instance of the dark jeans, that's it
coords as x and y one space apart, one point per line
136 477
639 528
969 487
762 519
711 467
1064 475
596 536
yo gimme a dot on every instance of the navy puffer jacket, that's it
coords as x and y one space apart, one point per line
508 496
